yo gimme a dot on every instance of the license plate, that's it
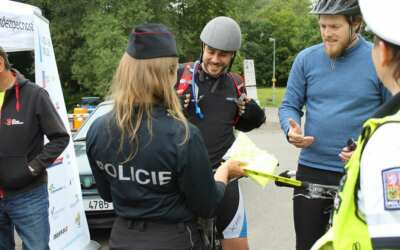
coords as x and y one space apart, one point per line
97 205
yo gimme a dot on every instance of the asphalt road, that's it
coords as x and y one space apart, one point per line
269 210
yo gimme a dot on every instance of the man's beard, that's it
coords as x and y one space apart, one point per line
337 50
213 74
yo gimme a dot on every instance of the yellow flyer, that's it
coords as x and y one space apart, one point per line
257 160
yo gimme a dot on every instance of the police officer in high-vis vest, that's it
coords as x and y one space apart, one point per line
147 159
367 209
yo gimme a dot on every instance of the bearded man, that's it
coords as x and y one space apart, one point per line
214 105
337 84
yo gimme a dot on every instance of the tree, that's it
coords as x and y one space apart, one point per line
190 16
293 28
89 37
105 32
65 19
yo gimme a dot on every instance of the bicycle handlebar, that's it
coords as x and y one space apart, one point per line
315 191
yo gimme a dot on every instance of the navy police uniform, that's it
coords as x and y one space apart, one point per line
163 188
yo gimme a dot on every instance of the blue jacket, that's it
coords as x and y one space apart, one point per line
338 95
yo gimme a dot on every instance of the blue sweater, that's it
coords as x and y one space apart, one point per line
339 95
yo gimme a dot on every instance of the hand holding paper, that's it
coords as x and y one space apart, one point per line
257 160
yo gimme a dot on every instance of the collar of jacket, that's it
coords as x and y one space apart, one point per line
15 89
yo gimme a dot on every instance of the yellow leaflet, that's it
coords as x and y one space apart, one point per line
257 160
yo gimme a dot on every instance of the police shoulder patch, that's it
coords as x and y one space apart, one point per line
391 188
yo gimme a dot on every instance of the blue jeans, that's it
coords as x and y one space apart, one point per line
28 213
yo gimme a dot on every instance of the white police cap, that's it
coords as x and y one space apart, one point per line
382 18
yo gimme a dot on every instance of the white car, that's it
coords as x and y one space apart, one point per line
99 213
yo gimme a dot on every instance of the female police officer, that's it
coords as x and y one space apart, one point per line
146 158
367 212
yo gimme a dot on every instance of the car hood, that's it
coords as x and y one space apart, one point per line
81 158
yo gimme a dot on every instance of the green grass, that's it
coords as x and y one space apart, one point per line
265 96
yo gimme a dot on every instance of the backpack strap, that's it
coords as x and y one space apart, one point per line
186 78
240 89
238 82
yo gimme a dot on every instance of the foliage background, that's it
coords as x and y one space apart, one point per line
90 36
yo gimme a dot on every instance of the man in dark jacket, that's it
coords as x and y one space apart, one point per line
26 115
216 103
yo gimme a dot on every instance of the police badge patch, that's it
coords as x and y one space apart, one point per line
391 188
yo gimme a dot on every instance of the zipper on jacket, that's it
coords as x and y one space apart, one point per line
1 110
333 62
2 107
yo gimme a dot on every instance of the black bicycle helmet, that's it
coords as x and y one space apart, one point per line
336 7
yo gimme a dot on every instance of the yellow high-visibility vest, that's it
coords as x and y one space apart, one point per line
349 230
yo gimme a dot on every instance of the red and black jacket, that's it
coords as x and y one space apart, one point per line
27 114
220 115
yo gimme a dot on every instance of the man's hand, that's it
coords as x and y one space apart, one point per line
296 137
33 171
241 103
345 154
185 99
348 151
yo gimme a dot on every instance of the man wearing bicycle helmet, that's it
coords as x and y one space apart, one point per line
337 83
214 100
370 196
